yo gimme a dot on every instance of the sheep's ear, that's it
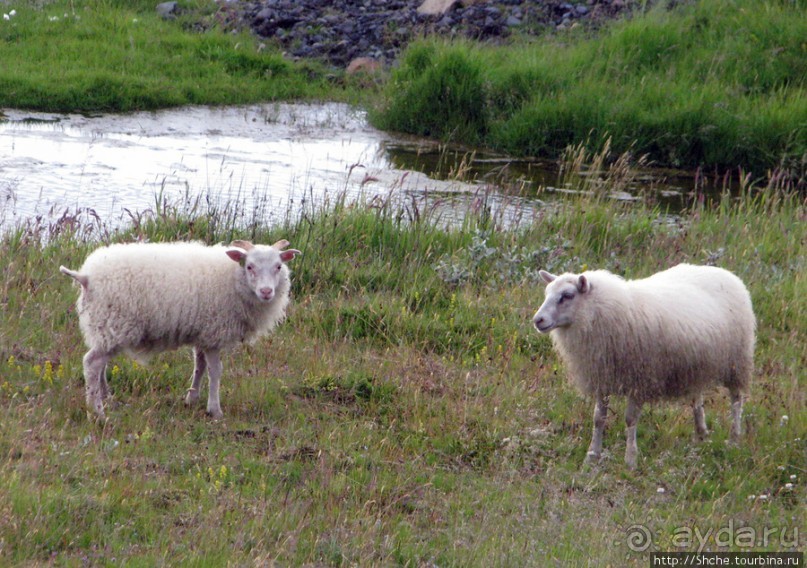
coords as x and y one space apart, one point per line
281 244
236 254
583 285
548 277
287 255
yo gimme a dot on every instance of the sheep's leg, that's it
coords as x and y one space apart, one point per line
94 380
199 368
700 417
600 413
214 375
631 419
103 384
736 416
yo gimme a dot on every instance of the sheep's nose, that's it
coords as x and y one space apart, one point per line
537 321
266 293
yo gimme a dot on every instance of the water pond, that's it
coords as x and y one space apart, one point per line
278 158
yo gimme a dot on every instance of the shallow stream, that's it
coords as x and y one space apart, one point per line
285 156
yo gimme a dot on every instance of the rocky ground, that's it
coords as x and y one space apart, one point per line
340 31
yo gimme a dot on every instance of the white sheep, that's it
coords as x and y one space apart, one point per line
667 336
144 298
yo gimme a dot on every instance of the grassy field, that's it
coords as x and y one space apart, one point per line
715 84
406 413
105 55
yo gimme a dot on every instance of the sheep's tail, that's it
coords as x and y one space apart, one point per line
80 278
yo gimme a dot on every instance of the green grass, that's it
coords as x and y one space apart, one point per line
714 84
100 55
406 412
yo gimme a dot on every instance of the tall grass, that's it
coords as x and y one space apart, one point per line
405 413
714 84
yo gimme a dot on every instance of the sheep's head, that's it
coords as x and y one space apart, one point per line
264 266
561 300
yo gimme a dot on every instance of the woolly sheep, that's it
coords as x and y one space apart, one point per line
144 298
667 336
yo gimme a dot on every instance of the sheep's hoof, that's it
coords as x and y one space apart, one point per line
97 417
191 397
592 458
215 414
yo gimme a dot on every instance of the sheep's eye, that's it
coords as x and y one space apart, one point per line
565 296
278 267
251 267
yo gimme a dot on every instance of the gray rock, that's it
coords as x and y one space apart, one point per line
340 31
446 21
167 10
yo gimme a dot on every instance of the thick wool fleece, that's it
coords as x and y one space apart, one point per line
670 335
151 297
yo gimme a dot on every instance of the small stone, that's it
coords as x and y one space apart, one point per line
539 432
435 7
167 10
